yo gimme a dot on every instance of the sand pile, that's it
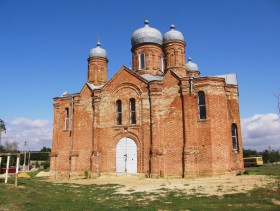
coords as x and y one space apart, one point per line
23 175
43 174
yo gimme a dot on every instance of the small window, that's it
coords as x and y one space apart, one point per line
162 64
132 111
234 136
141 61
201 105
119 112
66 122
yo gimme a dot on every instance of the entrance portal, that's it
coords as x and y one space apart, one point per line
126 156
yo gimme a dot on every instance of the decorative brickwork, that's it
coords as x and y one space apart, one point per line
175 57
152 61
167 136
97 71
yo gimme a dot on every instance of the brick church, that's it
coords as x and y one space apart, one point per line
158 118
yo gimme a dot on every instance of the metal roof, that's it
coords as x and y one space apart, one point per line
229 78
98 52
93 87
173 35
149 77
190 66
146 35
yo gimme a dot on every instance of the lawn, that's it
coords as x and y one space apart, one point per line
37 194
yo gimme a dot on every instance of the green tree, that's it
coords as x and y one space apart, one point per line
250 153
270 156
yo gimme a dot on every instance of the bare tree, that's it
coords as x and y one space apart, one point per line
11 146
278 99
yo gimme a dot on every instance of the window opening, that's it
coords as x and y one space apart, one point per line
162 64
234 136
132 111
67 121
142 61
119 112
201 105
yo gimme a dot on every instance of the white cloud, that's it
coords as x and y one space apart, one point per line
258 132
261 131
25 122
36 132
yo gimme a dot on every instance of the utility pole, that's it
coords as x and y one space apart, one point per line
25 145
2 128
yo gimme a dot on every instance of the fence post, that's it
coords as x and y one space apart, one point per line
0 165
7 169
16 179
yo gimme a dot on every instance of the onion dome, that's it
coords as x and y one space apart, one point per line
173 35
146 35
191 66
98 52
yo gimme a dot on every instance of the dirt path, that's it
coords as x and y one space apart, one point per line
207 186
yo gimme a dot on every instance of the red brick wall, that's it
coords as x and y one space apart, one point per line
97 70
175 57
153 54
181 144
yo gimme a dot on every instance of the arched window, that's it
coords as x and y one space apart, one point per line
66 122
119 112
201 105
132 111
141 61
234 136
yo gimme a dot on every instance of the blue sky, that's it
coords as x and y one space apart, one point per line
44 47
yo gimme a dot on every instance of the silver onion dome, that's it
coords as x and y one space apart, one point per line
146 35
173 35
98 52
190 66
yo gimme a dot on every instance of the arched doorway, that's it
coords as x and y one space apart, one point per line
126 156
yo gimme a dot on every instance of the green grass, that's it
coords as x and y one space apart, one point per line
36 194
273 170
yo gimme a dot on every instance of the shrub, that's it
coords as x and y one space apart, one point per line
239 173
246 172
46 165
86 174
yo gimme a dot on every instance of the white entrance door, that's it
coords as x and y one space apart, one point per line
126 156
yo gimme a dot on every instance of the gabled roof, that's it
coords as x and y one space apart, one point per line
131 72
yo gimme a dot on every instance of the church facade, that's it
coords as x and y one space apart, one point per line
158 118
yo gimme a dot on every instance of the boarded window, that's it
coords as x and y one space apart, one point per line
119 112
234 136
201 105
132 111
